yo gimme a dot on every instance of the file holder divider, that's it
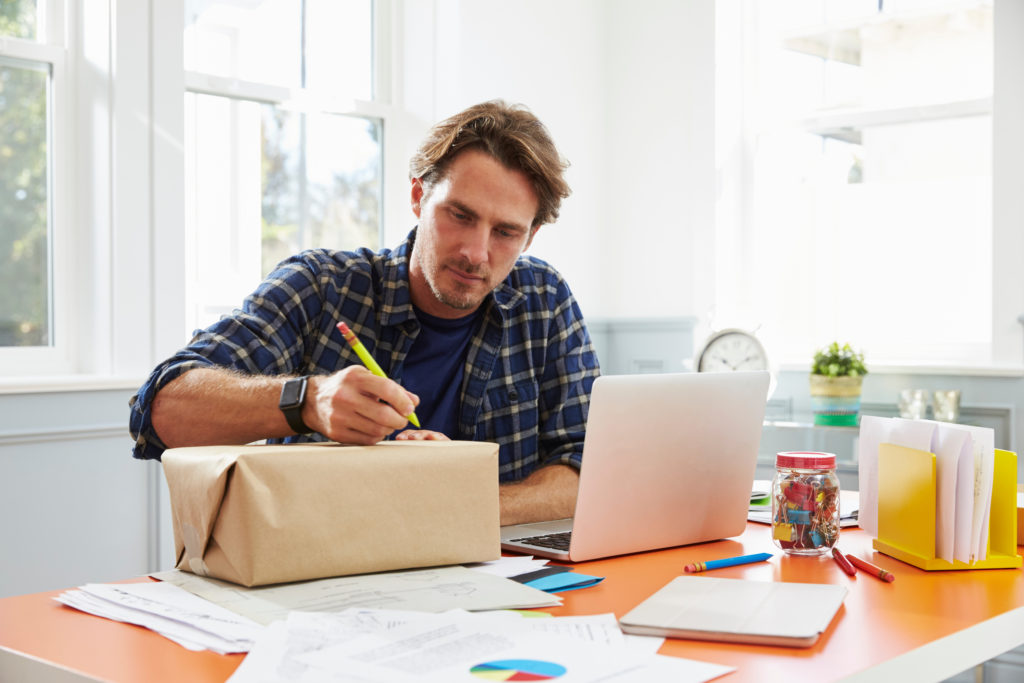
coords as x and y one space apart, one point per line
906 510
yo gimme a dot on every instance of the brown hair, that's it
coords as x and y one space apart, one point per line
509 133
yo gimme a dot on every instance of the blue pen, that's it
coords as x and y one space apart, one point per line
728 562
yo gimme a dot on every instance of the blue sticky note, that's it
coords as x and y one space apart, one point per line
565 581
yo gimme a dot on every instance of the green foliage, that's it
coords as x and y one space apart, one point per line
18 18
838 361
298 210
24 239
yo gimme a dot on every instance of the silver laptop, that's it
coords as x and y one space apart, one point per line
668 460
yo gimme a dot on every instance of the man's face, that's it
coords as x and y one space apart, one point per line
473 225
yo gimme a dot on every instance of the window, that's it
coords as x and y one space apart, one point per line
858 150
283 145
24 212
33 325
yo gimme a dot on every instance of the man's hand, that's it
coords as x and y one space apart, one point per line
207 406
356 406
420 435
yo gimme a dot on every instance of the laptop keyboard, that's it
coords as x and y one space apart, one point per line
559 541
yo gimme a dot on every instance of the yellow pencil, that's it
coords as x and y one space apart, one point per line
368 360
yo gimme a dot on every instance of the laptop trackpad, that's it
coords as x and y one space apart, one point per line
515 531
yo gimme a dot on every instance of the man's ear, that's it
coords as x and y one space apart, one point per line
529 240
417 195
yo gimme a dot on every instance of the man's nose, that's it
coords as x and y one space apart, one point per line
475 243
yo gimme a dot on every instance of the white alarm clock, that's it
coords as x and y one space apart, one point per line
732 350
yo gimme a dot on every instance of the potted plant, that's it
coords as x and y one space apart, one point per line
836 377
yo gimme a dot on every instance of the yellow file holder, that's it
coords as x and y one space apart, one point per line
906 510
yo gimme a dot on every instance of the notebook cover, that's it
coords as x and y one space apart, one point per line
738 611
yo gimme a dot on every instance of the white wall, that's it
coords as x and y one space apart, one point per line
659 207
626 92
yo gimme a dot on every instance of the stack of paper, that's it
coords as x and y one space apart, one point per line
964 465
421 590
174 613
395 646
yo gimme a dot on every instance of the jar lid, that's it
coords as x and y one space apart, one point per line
806 460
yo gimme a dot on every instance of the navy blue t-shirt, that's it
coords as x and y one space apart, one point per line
434 368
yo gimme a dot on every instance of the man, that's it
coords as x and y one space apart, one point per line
478 340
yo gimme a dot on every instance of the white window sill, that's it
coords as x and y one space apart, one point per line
955 370
67 383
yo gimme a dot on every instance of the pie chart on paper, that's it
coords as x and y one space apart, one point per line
518 670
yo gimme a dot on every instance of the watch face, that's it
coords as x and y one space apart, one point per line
733 351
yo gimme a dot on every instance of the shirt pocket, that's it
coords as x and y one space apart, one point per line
510 418
511 397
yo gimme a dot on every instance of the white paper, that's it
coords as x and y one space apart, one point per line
421 590
983 467
950 446
874 431
449 650
381 645
675 669
176 614
509 566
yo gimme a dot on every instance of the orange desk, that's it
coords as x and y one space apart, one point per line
924 626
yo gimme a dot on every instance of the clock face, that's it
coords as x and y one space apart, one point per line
732 351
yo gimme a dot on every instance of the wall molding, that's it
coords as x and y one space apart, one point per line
100 431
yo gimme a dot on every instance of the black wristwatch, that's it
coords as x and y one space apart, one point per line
293 395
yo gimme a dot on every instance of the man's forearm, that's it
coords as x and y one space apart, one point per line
548 493
216 406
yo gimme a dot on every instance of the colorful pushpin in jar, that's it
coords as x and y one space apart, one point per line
805 502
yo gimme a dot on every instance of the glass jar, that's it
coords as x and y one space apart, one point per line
805 502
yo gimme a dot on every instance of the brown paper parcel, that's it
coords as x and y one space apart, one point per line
257 515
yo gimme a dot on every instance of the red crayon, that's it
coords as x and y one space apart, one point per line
871 569
844 563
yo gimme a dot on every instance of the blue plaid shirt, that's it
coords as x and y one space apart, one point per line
528 373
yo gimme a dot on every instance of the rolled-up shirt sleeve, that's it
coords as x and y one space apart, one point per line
266 336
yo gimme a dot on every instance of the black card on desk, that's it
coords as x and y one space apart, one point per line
540 573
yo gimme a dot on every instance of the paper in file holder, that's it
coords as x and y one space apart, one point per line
906 510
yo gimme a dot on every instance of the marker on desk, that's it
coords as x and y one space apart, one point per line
368 360
877 572
843 563
728 562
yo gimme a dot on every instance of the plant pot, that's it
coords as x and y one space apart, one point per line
836 400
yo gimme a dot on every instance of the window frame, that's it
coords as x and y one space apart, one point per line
310 102
733 225
50 52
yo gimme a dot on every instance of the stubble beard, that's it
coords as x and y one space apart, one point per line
462 298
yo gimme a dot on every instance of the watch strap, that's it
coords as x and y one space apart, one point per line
293 397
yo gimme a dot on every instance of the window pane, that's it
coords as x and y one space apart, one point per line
266 183
321 183
19 19
869 213
317 44
258 41
24 206
339 47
